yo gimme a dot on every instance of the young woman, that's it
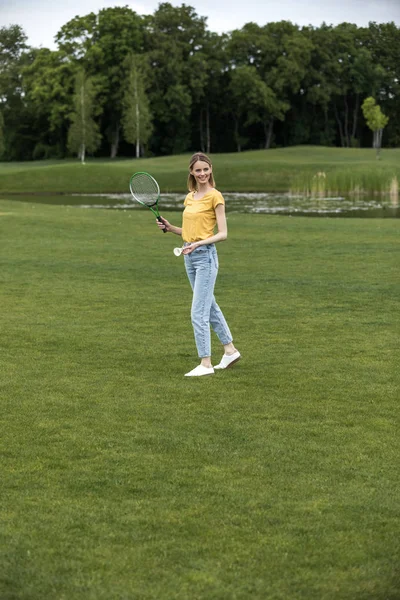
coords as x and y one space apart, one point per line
204 209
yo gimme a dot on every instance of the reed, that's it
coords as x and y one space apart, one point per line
353 182
394 191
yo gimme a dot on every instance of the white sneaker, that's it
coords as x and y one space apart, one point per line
228 360
199 371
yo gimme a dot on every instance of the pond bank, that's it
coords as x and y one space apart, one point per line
254 203
262 171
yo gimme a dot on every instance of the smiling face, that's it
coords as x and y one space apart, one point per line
201 171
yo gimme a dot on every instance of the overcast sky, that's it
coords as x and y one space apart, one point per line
42 19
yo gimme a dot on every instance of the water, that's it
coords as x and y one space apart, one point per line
260 203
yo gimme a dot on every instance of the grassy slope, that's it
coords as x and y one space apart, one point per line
120 479
273 170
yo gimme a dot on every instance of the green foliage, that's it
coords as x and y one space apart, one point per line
272 61
373 115
255 99
12 106
136 119
175 44
101 44
76 36
12 45
342 71
83 134
258 86
384 43
376 121
49 82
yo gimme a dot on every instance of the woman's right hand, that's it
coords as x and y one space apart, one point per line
164 224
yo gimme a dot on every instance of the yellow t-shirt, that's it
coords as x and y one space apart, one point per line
199 217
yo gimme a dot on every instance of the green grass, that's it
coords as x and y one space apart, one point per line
254 171
122 480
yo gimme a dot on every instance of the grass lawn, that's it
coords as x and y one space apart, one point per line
253 171
122 480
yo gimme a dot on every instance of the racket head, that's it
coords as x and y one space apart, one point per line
144 189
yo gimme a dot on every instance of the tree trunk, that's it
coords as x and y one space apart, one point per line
208 129
346 122
237 139
339 124
355 116
137 119
115 141
83 124
201 131
378 141
268 133
137 130
326 121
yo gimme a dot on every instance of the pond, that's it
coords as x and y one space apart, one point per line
257 203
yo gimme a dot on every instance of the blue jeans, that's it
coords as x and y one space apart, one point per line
202 270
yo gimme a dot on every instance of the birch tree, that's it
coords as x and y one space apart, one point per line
83 134
376 121
136 116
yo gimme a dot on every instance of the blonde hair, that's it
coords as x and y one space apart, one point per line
191 182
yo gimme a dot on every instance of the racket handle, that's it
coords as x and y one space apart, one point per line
161 221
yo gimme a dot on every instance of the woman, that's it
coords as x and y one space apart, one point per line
204 208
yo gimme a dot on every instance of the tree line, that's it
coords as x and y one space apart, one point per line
124 84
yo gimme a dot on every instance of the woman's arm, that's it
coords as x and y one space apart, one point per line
218 237
168 227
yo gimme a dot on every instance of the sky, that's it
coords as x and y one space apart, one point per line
42 19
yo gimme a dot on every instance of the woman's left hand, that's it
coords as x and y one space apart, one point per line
189 249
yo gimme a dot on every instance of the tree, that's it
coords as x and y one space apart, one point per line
77 36
376 121
383 41
48 81
136 117
83 134
12 46
254 87
347 72
100 44
256 101
280 53
12 51
174 41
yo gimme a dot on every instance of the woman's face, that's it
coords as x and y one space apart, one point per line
201 171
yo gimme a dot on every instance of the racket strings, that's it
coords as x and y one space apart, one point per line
145 189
